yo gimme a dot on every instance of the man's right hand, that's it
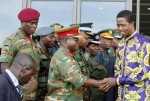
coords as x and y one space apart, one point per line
106 84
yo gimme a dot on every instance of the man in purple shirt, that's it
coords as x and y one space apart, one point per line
132 68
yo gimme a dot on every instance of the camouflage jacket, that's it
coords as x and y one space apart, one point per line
18 42
65 78
82 61
43 71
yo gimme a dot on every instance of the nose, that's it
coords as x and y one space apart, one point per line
34 25
119 28
96 48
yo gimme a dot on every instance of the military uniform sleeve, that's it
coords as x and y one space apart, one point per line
7 51
53 77
71 72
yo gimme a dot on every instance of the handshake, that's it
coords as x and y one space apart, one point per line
106 83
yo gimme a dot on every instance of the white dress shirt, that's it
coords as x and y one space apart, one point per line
13 78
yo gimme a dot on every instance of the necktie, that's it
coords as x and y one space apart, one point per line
19 89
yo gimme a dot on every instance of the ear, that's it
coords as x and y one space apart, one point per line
23 24
132 23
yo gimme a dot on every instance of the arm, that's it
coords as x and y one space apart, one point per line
70 73
131 75
139 73
73 74
7 53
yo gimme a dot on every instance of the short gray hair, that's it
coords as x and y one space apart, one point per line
25 60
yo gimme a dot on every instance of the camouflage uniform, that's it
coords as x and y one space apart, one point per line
43 72
82 62
65 78
18 42
85 69
42 36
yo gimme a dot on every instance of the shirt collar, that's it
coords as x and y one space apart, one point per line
12 77
133 34
21 31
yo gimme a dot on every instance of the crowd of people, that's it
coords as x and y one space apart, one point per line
59 63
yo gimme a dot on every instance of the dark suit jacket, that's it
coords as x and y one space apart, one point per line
8 92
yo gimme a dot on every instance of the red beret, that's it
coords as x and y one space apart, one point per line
67 32
28 14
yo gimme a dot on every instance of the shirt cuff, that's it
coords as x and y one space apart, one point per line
117 80
120 80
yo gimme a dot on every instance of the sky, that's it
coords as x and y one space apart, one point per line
102 14
8 19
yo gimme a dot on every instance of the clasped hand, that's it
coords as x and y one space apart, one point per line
106 84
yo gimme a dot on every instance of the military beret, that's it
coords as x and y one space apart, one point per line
43 31
28 14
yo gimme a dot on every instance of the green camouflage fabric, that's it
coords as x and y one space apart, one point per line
18 42
85 67
82 62
43 72
65 80
97 72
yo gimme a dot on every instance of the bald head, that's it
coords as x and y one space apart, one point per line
23 67
24 60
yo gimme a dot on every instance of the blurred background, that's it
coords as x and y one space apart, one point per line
66 12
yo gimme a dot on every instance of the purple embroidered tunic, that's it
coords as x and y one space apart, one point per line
132 69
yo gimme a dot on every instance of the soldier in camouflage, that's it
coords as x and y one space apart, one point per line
80 58
22 41
46 40
66 80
